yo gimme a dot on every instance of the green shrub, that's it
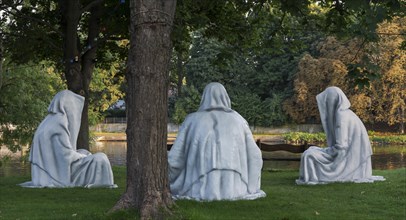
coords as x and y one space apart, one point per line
303 137
396 139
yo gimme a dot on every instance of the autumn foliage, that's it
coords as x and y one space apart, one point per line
380 99
313 76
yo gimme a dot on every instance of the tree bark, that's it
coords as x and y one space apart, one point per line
70 11
146 100
79 64
88 64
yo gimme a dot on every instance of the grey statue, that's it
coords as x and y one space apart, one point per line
55 161
347 157
214 156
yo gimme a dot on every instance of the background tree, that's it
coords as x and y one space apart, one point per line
260 64
146 101
212 18
73 34
106 87
256 70
330 67
371 74
388 93
313 76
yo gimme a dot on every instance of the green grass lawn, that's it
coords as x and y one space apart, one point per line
285 200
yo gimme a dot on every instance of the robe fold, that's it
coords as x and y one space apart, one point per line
347 157
55 161
214 156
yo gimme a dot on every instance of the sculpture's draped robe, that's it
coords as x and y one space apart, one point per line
55 162
347 157
214 156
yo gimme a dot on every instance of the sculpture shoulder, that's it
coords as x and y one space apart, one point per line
216 113
53 123
346 115
348 118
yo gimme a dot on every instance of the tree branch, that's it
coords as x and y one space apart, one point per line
101 41
359 49
27 17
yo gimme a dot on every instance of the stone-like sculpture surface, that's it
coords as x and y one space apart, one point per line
55 162
214 156
347 157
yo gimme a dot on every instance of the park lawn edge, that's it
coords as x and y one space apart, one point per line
285 200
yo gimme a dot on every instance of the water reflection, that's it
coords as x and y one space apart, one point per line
384 158
15 167
116 151
12 164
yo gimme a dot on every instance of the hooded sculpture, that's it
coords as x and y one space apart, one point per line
55 161
347 157
215 156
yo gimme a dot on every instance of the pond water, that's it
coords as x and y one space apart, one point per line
385 157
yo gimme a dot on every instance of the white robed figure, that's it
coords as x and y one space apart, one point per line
55 161
214 156
347 157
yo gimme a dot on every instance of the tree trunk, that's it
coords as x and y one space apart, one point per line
147 96
79 65
70 11
88 64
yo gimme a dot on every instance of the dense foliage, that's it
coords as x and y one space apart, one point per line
25 94
75 35
377 94
319 139
274 71
27 90
272 56
271 87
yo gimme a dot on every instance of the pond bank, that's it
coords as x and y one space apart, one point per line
320 138
174 128
172 136
291 137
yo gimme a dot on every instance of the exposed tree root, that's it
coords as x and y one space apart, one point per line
125 202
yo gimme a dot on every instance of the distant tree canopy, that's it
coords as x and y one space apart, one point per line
277 84
380 98
313 76
388 92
